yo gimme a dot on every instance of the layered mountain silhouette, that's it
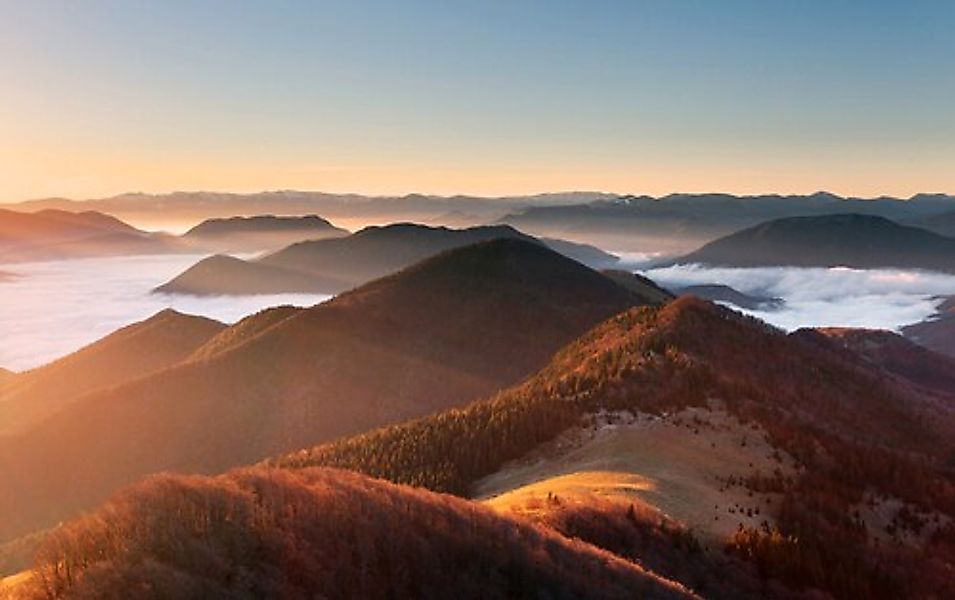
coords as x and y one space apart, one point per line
678 223
850 240
260 233
942 224
159 342
56 234
334 265
442 333
848 426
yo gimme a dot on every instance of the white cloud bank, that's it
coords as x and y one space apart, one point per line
819 297
51 309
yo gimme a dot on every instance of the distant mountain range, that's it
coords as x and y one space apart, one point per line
674 223
161 209
259 233
333 265
442 333
57 234
850 240
680 222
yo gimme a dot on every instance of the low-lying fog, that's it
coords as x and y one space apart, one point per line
50 309
818 297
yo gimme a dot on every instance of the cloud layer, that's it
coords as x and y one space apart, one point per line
815 297
51 309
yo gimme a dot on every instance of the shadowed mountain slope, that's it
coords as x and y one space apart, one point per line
856 429
321 533
334 265
159 342
226 275
849 240
440 334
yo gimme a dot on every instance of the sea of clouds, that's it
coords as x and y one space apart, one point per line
50 309
826 297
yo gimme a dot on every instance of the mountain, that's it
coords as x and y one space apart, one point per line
440 334
259 233
850 240
139 349
225 275
331 266
638 284
942 224
678 223
724 293
192 207
57 234
592 256
824 468
938 331
324 534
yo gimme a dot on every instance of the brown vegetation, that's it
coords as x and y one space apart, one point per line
849 425
262 533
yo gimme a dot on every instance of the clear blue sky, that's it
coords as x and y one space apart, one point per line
476 97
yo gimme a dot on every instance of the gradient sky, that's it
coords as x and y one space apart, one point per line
506 97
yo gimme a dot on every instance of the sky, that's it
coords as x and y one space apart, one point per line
484 97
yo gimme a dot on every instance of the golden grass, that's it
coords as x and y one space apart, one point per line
678 464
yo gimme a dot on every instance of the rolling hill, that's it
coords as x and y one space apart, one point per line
159 342
861 496
850 240
439 334
320 533
55 234
331 266
259 233
222 275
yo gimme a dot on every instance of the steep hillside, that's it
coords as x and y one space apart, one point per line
871 452
57 234
259 233
938 331
850 240
320 533
640 285
159 342
440 334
